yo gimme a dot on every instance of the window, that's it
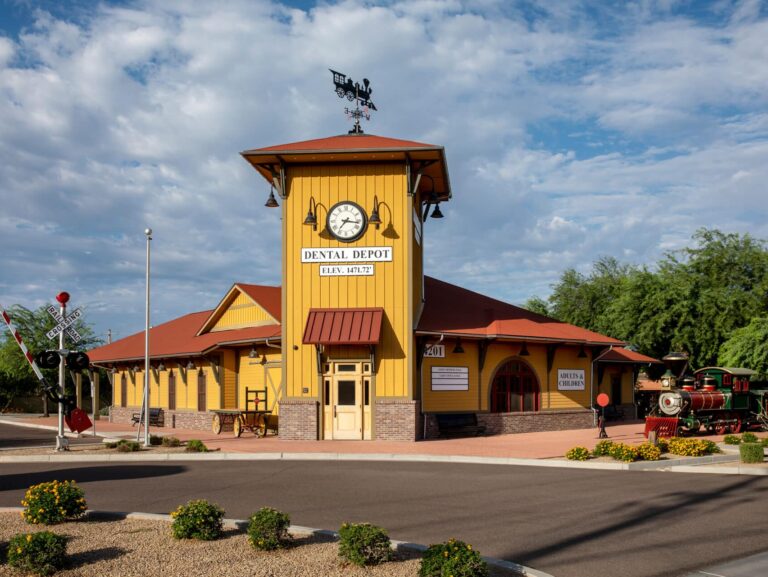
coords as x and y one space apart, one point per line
515 388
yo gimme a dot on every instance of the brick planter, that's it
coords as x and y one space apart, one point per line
507 423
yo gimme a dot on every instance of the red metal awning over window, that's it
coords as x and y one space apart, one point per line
360 326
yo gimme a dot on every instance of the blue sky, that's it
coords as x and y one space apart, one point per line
573 130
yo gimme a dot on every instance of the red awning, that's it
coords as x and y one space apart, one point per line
361 326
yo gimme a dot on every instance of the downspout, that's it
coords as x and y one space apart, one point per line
592 384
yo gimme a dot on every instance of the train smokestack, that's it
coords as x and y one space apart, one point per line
676 363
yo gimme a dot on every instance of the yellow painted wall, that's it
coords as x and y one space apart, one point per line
255 375
498 354
627 384
388 287
229 379
242 312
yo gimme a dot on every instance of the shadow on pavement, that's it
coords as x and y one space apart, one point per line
88 474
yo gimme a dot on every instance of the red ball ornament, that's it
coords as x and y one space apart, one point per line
63 297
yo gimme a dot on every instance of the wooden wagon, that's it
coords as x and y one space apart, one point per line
256 417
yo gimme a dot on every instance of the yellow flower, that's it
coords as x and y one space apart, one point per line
41 510
29 537
18 549
445 553
469 547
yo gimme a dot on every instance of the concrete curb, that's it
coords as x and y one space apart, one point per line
242 524
666 465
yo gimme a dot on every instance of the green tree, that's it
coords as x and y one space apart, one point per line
16 376
537 305
747 347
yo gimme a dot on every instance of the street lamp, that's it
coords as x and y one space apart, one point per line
148 233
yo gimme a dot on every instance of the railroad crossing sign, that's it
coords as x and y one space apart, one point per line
63 324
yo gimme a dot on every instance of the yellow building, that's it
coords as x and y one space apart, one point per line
358 343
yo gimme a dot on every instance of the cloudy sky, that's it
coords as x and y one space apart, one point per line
573 130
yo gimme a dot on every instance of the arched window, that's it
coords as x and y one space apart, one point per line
515 388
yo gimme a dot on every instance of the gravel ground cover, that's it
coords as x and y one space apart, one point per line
142 548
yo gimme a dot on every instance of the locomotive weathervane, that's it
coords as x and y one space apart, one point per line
360 95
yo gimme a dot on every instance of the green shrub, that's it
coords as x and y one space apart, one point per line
663 445
40 553
749 438
155 440
196 446
198 519
53 502
364 544
171 442
577 454
764 442
751 452
692 447
268 529
603 449
111 444
126 446
648 452
454 558
731 440
624 452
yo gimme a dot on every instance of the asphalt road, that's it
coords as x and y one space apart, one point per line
570 523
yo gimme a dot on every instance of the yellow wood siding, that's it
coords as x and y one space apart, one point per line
446 401
567 358
254 375
228 380
242 312
304 288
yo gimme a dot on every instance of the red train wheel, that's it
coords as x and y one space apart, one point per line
722 429
737 426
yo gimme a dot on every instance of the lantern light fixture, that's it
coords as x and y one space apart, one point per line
375 219
311 219
524 350
271 201
458 349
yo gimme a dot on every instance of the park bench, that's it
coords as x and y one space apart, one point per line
459 424
155 417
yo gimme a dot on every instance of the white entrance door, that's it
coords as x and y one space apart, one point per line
347 407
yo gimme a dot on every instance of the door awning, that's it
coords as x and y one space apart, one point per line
355 326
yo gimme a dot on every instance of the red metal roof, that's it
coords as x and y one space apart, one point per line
450 309
622 355
344 142
359 326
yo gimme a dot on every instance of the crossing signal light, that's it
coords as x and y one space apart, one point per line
48 359
77 361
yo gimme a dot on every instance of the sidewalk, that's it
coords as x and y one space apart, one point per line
545 445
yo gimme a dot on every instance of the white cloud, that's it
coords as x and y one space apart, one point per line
135 117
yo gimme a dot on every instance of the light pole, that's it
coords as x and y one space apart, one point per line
148 233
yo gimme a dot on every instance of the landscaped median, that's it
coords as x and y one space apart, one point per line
55 534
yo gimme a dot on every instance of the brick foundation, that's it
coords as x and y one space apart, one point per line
193 420
298 420
509 423
397 420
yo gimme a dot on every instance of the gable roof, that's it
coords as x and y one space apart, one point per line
622 355
265 297
453 310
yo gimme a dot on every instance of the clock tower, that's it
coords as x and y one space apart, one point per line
353 225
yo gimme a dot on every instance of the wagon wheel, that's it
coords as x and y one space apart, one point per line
261 426
237 426
340 92
350 95
216 424
722 429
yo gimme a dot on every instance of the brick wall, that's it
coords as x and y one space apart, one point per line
171 419
298 420
503 423
397 420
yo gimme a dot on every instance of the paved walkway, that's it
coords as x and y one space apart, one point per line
546 445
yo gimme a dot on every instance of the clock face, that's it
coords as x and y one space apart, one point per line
346 221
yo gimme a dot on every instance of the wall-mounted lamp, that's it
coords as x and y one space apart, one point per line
271 201
458 349
437 213
253 354
135 368
190 365
582 353
264 359
524 351
375 219
311 219
161 366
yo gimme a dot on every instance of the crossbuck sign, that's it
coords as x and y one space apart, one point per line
63 324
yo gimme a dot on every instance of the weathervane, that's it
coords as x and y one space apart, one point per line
360 95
